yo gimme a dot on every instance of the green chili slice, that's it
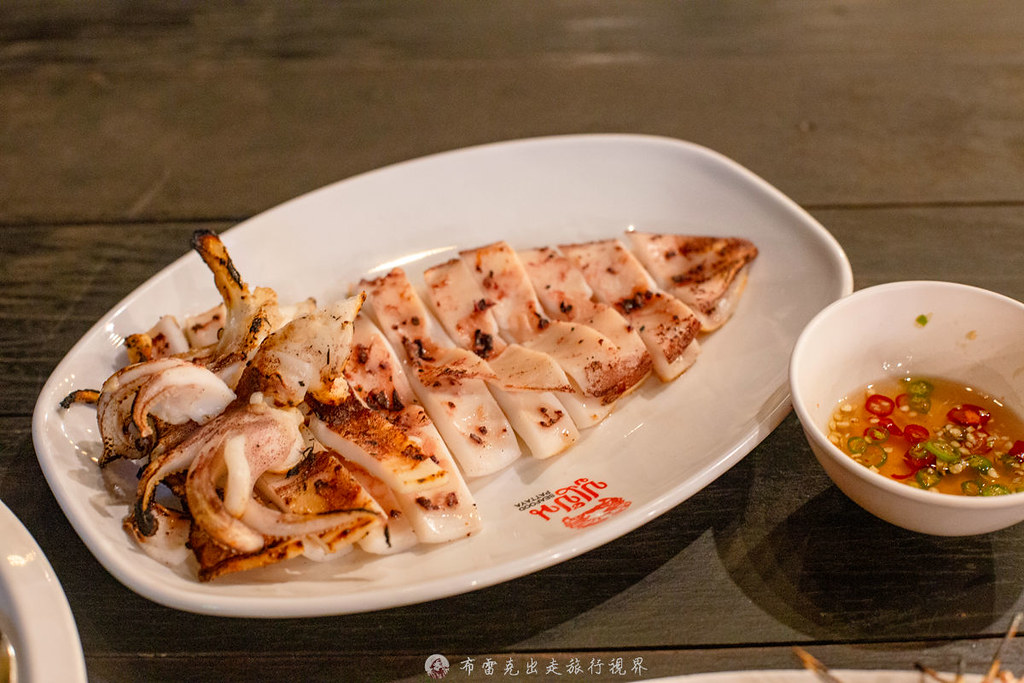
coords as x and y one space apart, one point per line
941 450
918 451
920 403
979 463
928 477
876 434
994 490
971 487
920 387
873 456
857 444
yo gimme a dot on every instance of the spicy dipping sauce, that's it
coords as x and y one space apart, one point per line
934 434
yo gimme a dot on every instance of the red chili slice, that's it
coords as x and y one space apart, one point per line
903 401
915 433
969 415
879 405
1017 450
917 463
890 426
914 464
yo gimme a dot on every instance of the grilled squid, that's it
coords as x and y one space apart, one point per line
305 356
265 432
592 360
138 403
707 273
464 411
526 379
435 515
665 324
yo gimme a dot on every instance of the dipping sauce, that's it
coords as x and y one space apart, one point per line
934 434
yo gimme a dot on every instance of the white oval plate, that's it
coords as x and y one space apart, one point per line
662 445
34 611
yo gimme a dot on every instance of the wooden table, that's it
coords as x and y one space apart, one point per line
898 125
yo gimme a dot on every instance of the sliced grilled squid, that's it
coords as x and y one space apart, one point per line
460 405
565 295
591 359
368 439
319 487
709 274
667 326
442 513
526 378
307 355
138 402
396 534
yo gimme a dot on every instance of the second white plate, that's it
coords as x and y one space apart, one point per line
662 445
34 612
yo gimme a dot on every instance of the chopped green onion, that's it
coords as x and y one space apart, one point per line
928 477
921 320
920 404
941 450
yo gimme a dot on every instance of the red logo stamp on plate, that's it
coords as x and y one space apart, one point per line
583 495
605 508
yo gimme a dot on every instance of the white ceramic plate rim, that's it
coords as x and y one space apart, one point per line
34 612
577 187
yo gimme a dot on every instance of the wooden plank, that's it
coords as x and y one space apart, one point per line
168 111
551 667
973 245
122 129
59 280
54 272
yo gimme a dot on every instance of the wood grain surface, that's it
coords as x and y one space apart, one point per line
898 125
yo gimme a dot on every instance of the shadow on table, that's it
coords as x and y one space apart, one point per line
827 568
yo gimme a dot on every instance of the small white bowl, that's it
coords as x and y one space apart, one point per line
972 336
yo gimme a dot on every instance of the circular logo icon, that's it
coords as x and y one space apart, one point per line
437 666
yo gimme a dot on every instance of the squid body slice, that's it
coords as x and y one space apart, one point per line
538 417
589 358
454 395
667 326
375 373
707 273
